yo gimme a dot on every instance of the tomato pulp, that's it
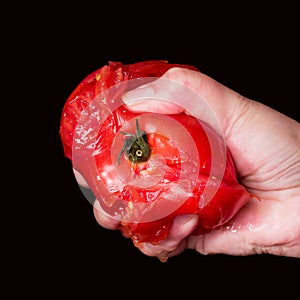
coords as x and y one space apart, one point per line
149 168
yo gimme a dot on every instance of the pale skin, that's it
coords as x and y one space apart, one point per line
265 145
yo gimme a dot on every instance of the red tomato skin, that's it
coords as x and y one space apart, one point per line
229 197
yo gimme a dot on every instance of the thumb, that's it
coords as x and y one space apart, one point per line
183 90
159 96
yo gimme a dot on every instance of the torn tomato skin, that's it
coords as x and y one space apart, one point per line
98 81
227 201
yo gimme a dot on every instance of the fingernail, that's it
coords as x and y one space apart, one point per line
184 219
163 259
137 95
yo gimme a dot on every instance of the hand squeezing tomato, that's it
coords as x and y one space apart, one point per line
144 168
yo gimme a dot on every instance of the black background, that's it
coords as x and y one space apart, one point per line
57 244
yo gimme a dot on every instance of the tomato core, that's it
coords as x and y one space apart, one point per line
136 146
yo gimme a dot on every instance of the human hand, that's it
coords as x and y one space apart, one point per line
265 145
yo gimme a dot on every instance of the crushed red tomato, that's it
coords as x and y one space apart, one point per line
149 155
